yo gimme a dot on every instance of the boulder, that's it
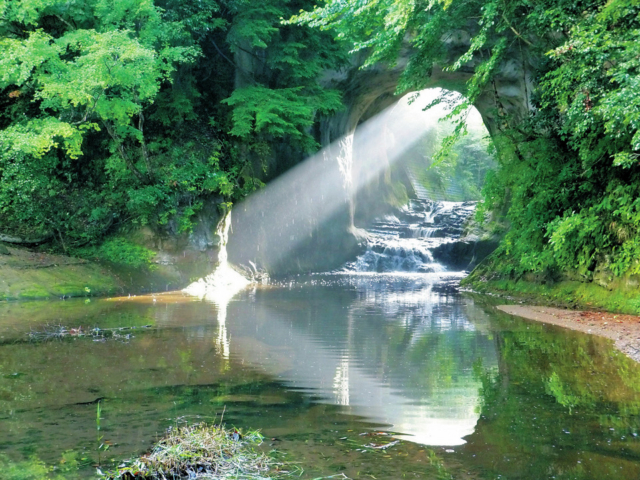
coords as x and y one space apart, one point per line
464 254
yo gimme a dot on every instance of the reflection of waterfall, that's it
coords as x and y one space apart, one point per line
341 382
399 353
223 344
404 242
224 278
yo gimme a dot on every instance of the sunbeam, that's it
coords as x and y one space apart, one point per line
317 195
275 221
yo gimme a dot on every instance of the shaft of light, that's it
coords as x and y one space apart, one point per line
275 221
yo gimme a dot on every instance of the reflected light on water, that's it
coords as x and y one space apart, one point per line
327 356
221 285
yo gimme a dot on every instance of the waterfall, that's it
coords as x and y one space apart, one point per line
404 242
224 278
345 164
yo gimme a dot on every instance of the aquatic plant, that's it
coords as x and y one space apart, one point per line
202 451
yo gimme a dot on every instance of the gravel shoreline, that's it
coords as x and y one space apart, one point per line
624 330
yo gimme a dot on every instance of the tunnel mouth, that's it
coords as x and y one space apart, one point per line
314 217
423 172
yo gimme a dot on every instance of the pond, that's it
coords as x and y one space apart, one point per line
330 368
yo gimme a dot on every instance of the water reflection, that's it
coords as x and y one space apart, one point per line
315 363
394 349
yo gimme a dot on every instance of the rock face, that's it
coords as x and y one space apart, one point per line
465 253
181 257
369 91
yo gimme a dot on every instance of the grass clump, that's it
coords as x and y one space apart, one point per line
202 452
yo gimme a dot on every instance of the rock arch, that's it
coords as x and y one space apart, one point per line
368 91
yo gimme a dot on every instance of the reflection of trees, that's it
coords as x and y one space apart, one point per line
403 334
35 469
564 405
428 350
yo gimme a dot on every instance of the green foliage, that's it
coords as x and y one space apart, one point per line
115 112
279 113
572 190
281 97
120 252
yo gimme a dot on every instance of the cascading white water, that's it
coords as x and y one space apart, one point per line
418 231
405 244
345 161
345 165
224 280
397 255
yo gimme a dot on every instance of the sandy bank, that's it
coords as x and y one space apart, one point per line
624 330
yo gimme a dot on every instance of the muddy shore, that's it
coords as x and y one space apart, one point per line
624 330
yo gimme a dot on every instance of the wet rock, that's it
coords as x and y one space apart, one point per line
464 254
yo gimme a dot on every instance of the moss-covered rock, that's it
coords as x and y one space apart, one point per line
565 293
29 275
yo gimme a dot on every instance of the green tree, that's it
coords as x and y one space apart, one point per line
112 112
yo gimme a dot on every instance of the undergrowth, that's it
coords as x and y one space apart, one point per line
119 251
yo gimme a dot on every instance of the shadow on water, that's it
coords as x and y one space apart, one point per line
316 363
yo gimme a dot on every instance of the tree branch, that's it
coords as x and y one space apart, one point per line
504 17
145 150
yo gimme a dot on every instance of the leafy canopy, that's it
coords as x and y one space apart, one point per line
122 112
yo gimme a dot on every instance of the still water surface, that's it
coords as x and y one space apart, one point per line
322 365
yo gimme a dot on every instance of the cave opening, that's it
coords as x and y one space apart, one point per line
306 219
425 170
